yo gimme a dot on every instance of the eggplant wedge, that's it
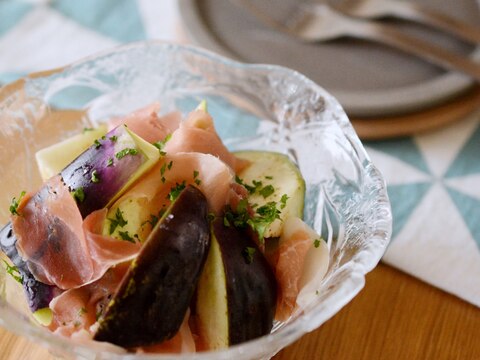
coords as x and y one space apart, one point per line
237 292
152 300
103 172
38 294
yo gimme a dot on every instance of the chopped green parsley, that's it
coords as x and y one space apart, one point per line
176 190
124 235
13 272
257 187
110 162
15 203
248 253
117 221
125 152
160 145
154 218
78 194
163 169
196 180
97 144
283 201
316 243
87 129
95 178
81 311
211 216
259 221
113 138
266 191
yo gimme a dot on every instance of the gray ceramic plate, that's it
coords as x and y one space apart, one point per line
368 79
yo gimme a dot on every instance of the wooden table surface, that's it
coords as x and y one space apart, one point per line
394 317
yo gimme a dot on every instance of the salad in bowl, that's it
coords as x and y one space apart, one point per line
164 202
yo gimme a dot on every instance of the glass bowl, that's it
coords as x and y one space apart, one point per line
259 107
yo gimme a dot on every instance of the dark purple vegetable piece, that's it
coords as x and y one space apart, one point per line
248 283
38 294
153 298
101 172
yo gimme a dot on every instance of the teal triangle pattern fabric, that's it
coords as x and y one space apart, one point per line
11 12
404 149
404 199
118 19
470 210
468 160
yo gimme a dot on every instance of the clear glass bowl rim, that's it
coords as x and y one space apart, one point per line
18 323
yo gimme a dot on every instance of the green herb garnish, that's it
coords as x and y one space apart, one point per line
95 178
176 190
125 152
160 145
163 169
81 311
13 272
211 216
257 185
117 221
195 178
78 194
87 129
316 243
269 177
110 162
283 201
113 138
266 191
97 144
125 236
264 216
15 203
248 254
170 164
154 219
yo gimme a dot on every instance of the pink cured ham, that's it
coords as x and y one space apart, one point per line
50 236
60 248
147 124
182 342
215 179
105 251
78 309
292 251
197 134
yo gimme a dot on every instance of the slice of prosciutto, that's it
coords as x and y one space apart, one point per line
147 124
197 134
302 260
212 176
51 239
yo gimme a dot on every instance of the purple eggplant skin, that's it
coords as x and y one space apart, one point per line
250 282
38 294
99 173
152 300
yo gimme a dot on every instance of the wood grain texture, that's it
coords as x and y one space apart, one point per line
395 317
419 122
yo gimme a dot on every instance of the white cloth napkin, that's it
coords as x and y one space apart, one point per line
433 179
